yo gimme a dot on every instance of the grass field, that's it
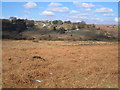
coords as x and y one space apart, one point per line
59 64
112 29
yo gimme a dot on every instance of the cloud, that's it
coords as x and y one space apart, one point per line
47 13
116 19
109 20
104 10
26 12
84 14
54 8
88 18
74 12
55 4
58 9
30 5
2 17
87 9
108 14
84 5
79 17
96 19
23 17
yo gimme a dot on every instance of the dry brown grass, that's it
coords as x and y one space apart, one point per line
72 65
109 28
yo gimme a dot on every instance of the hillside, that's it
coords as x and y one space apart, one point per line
57 30
112 29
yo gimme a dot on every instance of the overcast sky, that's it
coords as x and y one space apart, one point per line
92 12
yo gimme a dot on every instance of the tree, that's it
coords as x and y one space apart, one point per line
58 22
61 30
81 24
73 27
68 22
21 25
13 20
93 25
55 22
29 23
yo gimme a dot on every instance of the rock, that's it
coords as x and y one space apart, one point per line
35 40
37 81
38 57
10 59
50 73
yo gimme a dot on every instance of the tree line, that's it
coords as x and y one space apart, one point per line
18 25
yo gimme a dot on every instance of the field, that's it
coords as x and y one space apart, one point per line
112 29
59 64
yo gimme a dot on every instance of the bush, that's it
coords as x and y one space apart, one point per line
68 22
81 25
58 22
61 30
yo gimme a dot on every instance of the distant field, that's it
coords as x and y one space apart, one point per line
59 64
113 29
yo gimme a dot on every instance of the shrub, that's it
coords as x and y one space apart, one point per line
58 22
81 25
68 22
61 30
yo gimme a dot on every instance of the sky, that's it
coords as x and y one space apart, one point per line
90 12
